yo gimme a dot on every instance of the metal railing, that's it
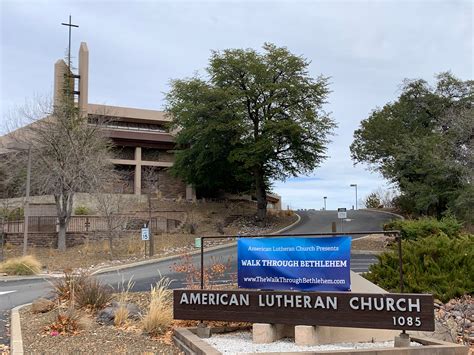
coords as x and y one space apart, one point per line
78 224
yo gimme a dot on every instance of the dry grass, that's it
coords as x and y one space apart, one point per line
24 265
160 315
121 315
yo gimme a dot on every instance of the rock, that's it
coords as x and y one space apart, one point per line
133 311
107 315
42 305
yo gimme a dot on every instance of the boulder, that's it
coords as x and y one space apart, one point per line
42 305
107 315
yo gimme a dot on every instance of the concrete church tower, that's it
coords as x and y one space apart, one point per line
83 78
62 73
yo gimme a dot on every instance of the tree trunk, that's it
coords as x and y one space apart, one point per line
261 194
62 235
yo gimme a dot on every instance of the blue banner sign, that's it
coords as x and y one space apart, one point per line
304 264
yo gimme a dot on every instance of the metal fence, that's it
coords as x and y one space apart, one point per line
78 224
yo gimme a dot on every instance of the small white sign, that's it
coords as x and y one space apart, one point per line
145 234
341 213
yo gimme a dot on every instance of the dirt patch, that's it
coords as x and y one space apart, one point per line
373 242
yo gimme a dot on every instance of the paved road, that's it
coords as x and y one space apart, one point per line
357 221
14 293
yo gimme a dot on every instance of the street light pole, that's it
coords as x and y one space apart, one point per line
355 185
26 209
325 197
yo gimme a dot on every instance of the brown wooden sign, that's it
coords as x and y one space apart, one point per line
337 309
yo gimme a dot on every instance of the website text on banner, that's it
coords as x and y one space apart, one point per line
304 264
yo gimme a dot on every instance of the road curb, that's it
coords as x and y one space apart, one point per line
32 277
153 261
386 212
16 340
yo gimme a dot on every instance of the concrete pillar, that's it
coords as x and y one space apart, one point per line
264 333
402 341
138 171
60 71
306 335
190 193
83 78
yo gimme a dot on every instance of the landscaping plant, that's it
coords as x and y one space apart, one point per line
25 265
213 271
160 312
423 227
92 294
436 264
82 291
66 323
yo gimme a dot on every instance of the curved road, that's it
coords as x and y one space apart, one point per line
14 293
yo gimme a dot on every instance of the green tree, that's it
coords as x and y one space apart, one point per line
372 201
257 117
423 142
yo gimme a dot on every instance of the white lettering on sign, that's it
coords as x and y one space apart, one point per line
294 263
385 304
215 299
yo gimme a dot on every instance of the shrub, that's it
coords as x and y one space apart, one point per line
25 265
14 214
92 294
65 323
81 211
424 227
160 315
82 290
372 201
216 268
66 287
436 264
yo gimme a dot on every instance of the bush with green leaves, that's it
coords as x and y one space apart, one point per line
424 227
14 214
81 211
437 264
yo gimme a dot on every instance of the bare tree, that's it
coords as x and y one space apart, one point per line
69 154
150 179
110 207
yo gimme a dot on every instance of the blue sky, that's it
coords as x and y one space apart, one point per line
136 47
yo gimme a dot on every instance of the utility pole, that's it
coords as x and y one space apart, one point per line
355 185
26 210
26 206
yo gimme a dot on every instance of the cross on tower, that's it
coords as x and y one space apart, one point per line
69 47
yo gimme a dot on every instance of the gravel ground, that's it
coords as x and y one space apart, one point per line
373 242
94 339
4 332
241 342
